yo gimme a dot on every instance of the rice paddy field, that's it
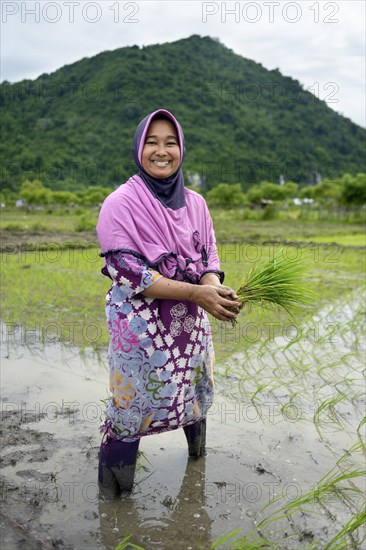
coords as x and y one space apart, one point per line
295 384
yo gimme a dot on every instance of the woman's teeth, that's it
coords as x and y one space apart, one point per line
160 163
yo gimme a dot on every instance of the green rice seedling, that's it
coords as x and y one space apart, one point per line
326 489
360 438
328 410
357 400
125 544
224 539
142 456
327 486
341 539
278 282
256 402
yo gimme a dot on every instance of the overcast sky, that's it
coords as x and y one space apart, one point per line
321 44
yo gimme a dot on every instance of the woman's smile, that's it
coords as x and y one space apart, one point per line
161 163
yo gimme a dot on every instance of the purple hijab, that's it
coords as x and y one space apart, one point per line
169 227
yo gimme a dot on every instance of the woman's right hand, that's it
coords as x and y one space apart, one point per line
213 300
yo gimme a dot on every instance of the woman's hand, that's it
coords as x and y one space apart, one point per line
216 300
212 279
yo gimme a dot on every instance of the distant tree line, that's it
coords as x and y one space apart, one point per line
34 193
349 190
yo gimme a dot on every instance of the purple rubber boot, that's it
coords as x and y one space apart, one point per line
117 465
196 438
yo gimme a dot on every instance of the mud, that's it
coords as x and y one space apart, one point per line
13 241
51 408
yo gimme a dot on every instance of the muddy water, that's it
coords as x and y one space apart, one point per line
51 403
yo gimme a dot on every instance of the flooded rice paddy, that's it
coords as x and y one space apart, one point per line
285 448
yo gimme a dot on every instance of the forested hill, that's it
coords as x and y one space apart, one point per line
73 128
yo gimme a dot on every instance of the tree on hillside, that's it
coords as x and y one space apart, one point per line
290 189
93 195
354 189
328 191
226 196
64 197
271 191
34 193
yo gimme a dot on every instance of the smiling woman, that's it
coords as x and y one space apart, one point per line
159 247
161 154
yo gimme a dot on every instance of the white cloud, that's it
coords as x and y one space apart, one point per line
309 51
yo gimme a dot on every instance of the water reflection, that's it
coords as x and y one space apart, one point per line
161 522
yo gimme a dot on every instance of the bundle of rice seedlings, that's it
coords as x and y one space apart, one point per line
279 282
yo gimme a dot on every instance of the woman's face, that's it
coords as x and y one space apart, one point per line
161 153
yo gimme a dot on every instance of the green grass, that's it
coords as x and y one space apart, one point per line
244 225
51 219
58 220
352 239
58 291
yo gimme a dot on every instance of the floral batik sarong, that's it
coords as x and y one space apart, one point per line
160 355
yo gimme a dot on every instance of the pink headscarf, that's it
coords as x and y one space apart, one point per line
179 243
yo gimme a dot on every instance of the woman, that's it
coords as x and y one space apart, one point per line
159 247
